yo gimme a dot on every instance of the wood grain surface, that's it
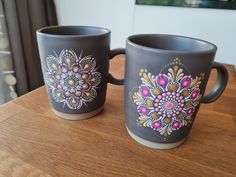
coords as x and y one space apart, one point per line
36 143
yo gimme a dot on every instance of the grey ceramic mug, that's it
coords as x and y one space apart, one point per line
165 81
75 64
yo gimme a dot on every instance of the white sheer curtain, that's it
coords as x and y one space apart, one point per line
7 78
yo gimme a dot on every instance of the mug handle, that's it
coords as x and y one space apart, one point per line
219 87
112 79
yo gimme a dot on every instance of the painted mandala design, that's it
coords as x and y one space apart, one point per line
72 80
166 102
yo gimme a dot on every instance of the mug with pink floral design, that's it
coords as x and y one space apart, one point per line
75 63
165 81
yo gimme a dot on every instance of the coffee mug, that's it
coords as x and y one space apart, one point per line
75 64
165 81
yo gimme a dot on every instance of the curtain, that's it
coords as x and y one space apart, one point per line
23 18
7 78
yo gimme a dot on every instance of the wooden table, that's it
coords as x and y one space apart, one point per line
34 142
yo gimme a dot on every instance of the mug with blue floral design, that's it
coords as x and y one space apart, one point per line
165 81
75 64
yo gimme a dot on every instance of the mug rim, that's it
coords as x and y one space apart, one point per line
166 51
45 33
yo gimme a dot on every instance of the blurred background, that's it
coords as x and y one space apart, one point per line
125 17
20 70
7 73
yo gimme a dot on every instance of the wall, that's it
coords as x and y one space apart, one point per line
123 17
214 25
114 15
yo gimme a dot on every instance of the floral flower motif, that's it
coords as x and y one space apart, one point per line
166 102
72 80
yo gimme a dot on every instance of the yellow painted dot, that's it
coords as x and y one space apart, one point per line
149 103
68 60
71 82
167 120
156 91
185 93
180 116
54 66
154 115
173 87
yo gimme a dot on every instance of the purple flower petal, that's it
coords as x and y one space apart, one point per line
162 80
156 125
143 110
144 91
64 69
185 81
195 93
176 125
190 111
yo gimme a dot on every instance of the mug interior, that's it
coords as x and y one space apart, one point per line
169 43
73 31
